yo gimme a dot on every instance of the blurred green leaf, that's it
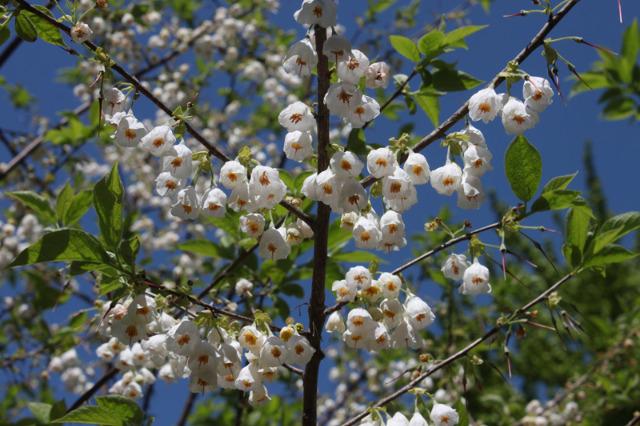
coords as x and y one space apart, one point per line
523 167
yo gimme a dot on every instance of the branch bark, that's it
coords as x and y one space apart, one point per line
321 238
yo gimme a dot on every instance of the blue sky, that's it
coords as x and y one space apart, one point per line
560 136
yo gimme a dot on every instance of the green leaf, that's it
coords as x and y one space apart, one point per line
615 228
64 245
201 248
610 254
37 203
430 104
80 204
356 257
40 411
558 182
357 142
557 200
107 199
63 202
25 28
451 80
4 34
578 221
456 37
406 47
432 43
109 411
46 30
523 167
631 42
462 413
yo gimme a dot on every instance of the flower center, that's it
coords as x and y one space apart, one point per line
130 134
184 339
344 97
296 118
448 181
176 162
158 142
484 107
519 119
276 352
317 11
264 179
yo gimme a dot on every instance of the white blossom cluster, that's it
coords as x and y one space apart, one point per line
14 239
474 276
550 414
392 324
144 338
440 415
73 373
517 116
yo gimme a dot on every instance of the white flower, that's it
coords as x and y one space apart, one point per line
183 338
537 93
317 12
203 356
328 187
373 293
470 194
360 114
240 198
186 206
232 174
418 420
454 267
446 179
298 145
359 321
443 415
418 312
252 224
381 162
345 291
417 168
377 75
178 162
475 279
359 276
301 58
266 187
246 379
403 201
114 105
396 185
398 419
167 185
485 105
297 116
477 160
337 48
390 285
346 164
353 197
474 136
392 227
214 202
273 244
159 141
129 132
81 32
366 233
310 187
392 312
351 70
250 338
273 352
341 98
517 118
335 323
299 350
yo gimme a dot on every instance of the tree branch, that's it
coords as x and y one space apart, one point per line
320 248
461 353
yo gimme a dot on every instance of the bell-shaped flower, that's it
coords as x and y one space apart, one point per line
203 356
537 93
477 160
454 267
346 164
474 136
418 312
345 291
353 197
310 187
247 379
380 340
233 174
359 320
403 200
363 112
417 168
446 179
273 244
337 48
418 420
373 293
167 185
398 419
377 75
183 338
252 224
390 284
81 32
178 162
356 340
130 329
359 276
366 233
381 162
186 206
335 323
485 105
129 132
328 187
301 58
517 118
317 12
392 312
299 350
273 352
266 187
351 70
297 116
397 185
214 203
475 280
240 198
341 98
298 146
251 338
471 193
443 415
159 141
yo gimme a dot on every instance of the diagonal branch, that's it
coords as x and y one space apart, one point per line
459 114
157 102
461 353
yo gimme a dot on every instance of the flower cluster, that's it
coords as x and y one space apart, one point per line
517 116
474 276
14 239
144 338
72 371
552 414
392 324
440 415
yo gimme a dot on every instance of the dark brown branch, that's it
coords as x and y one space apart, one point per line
461 353
186 410
95 388
320 247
